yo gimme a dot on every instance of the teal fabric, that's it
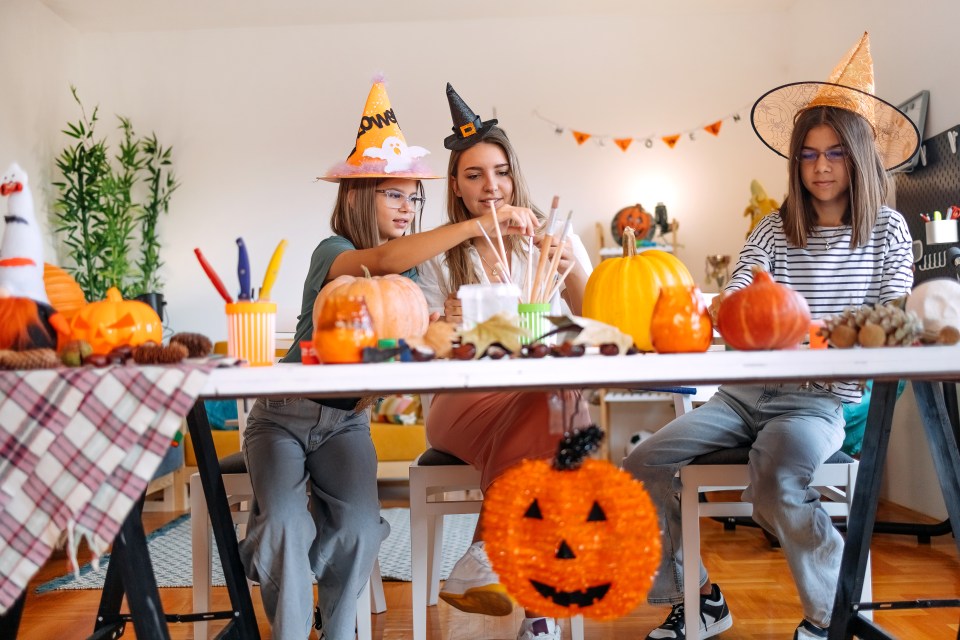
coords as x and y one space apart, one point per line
856 417
219 412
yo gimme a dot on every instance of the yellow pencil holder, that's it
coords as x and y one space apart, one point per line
251 332
533 318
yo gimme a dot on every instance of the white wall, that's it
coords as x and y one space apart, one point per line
40 53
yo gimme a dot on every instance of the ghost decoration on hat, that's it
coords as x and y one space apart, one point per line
398 155
21 253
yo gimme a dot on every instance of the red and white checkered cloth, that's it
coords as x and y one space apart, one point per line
77 449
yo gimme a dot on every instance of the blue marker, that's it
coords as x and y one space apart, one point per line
243 270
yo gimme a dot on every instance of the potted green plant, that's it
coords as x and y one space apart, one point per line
108 208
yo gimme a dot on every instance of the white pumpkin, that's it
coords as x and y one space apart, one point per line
937 304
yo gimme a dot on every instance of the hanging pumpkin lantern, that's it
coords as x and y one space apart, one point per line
343 330
633 217
623 291
763 315
115 322
575 537
680 322
64 293
395 303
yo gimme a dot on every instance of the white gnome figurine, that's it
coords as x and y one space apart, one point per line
21 253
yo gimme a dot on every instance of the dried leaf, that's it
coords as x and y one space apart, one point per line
500 328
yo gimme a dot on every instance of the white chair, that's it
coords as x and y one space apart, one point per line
236 483
440 485
727 470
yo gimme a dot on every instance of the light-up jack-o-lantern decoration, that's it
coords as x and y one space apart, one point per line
572 537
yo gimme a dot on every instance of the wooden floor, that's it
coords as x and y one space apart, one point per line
753 576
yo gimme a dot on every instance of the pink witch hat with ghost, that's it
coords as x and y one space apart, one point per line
381 151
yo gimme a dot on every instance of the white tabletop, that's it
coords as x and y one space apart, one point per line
636 371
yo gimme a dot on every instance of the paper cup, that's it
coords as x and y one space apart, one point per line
533 318
481 301
251 332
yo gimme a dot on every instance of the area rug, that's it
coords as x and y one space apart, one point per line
171 555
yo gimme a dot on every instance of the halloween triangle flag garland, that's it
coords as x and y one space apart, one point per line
624 142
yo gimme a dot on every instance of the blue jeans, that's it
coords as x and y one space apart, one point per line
290 445
791 432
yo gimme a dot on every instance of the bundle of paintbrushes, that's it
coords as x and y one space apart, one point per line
543 281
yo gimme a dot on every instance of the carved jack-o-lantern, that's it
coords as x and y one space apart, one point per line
115 322
574 537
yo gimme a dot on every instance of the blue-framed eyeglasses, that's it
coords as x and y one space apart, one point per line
395 199
809 156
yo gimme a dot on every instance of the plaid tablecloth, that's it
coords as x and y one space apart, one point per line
77 449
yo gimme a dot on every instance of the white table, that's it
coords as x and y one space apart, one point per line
885 366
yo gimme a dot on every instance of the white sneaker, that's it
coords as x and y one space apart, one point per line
474 587
809 631
539 629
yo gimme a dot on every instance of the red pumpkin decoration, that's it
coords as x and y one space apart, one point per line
634 217
577 537
681 322
115 322
763 315
623 291
395 303
343 330
64 293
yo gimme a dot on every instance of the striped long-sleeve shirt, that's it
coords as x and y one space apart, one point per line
828 273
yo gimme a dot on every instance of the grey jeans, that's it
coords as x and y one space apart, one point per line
791 431
290 445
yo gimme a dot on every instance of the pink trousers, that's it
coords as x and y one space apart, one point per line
494 431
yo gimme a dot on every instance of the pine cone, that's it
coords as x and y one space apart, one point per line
872 326
198 345
158 354
29 359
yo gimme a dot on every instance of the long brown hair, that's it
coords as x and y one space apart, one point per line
355 214
868 178
457 259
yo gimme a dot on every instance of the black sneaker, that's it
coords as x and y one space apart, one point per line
809 631
714 619
318 623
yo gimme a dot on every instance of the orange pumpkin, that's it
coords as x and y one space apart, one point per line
64 293
763 315
395 303
575 537
681 322
115 322
343 330
623 291
634 217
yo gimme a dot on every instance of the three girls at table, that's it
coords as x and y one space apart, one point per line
292 445
836 243
494 431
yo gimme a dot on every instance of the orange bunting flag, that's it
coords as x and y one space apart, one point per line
671 141
580 136
714 128
623 143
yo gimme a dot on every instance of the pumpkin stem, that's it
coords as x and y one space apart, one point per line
366 272
576 446
629 242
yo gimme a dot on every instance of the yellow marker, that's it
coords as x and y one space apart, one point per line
272 268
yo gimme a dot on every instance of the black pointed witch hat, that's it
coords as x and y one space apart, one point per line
468 129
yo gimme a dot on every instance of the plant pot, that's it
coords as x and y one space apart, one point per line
155 300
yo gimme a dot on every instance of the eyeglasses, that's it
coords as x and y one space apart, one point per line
395 199
809 156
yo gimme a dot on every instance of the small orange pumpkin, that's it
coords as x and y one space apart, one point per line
623 291
681 322
64 293
577 537
763 315
115 322
343 330
395 303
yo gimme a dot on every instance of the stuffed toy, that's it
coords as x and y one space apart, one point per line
759 206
